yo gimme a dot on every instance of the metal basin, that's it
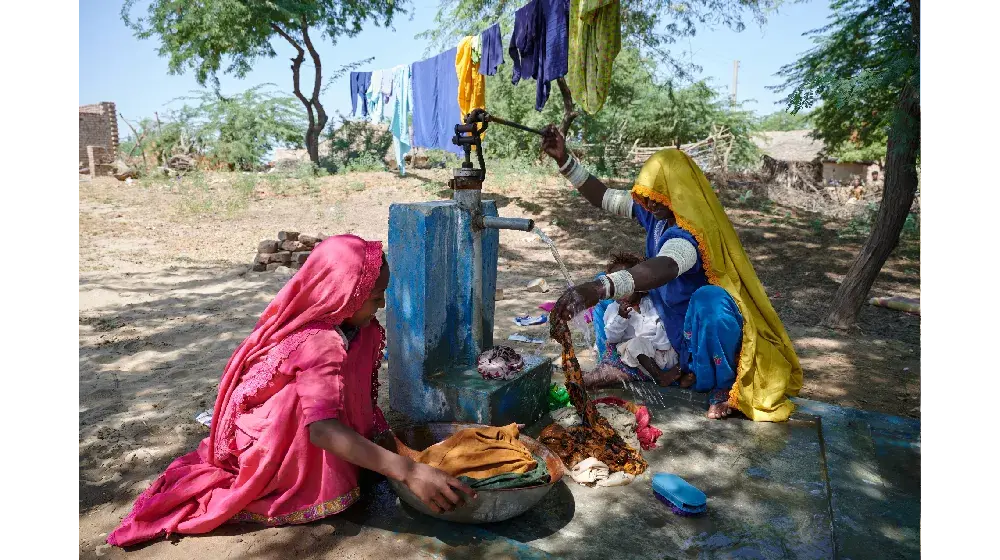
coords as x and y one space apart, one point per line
489 505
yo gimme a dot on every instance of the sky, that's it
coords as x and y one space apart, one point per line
115 66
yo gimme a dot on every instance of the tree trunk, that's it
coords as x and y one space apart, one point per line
315 127
897 197
312 105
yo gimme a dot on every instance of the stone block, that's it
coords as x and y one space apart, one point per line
273 266
308 240
470 398
268 246
292 246
258 266
300 257
288 235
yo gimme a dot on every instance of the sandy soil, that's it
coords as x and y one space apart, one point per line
165 296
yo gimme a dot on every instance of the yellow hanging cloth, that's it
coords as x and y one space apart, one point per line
595 38
471 84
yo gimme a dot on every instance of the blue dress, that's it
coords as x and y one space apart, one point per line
702 321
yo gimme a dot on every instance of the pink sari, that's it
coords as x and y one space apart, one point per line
295 368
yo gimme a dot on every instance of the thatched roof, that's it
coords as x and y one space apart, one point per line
790 146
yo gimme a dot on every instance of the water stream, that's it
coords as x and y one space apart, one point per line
579 322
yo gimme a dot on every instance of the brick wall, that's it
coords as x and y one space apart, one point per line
98 127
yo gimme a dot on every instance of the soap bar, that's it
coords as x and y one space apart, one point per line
681 496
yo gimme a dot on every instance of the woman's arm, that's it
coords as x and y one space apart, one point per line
676 257
347 444
554 144
433 486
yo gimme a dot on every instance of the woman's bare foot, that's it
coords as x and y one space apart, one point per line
718 407
686 380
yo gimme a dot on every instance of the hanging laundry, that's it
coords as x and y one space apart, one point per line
491 50
359 89
376 101
477 48
595 38
471 84
402 104
435 104
387 84
522 41
539 45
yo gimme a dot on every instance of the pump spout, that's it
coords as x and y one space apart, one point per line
518 224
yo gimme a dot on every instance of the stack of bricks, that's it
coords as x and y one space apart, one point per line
98 128
290 249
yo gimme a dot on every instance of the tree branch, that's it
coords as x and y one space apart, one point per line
296 66
569 109
317 81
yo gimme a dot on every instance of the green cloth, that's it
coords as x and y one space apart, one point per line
477 49
540 475
558 397
595 38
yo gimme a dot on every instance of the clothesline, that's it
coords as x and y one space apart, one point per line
550 39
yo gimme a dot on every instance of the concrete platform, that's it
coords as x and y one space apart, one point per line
471 398
830 483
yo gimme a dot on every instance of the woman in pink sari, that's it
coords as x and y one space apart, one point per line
295 412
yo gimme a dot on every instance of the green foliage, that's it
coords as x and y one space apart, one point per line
860 226
357 146
861 63
230 132
239 131
849 151
229 36
783 120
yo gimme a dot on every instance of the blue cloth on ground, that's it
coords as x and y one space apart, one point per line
539 45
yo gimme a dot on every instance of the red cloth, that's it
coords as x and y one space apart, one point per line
646 432
258 463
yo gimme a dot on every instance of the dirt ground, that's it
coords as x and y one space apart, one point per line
165 296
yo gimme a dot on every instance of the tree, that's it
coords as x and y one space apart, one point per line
239 131
202 35
235 132
866 71
783 120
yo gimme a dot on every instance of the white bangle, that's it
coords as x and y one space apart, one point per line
578 175
607 286
569 161
623 282
618 202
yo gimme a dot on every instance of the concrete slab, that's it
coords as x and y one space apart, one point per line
830 483
470 398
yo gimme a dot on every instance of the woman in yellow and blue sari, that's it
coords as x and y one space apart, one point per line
712 305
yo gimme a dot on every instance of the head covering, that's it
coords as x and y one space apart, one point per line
330 287
768 370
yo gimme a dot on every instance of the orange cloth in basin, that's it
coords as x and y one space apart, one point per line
480 453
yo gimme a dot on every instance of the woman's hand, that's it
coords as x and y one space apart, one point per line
435 488
578 299
554 144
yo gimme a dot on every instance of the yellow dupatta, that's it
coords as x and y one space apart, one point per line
768 371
